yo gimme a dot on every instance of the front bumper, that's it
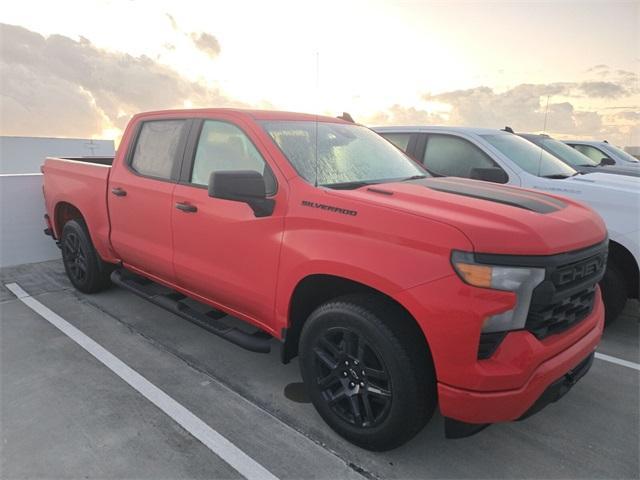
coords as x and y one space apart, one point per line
547 383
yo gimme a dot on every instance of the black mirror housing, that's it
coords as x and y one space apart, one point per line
607 161
493 174
245 186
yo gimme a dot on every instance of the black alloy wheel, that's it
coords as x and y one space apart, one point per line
75 258
368 370
352 377
85 269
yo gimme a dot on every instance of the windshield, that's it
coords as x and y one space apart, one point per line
345 156
529 156
565 153
627 156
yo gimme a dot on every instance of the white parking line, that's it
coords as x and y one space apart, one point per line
618 361
223 448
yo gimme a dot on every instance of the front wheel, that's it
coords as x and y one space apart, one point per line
614 292
84 267
367 371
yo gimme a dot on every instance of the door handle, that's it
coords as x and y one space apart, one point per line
186 207
118 192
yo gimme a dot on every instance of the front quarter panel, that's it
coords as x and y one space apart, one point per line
379 247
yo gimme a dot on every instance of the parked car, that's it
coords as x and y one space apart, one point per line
604 153
502 157
574 158
396 290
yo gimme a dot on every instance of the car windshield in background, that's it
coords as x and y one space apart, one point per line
344 156
565 153
627 156
530 157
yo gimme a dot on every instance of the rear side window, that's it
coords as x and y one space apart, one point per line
593 153
454 157
400 140
157 148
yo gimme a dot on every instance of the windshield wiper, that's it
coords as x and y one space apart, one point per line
350 185
363 183
415 177
557 176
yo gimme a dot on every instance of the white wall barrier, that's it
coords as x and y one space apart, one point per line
21 202
21 221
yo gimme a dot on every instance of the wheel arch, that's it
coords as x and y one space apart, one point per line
315 289
63 212
626 262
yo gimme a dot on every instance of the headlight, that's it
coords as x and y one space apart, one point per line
520 280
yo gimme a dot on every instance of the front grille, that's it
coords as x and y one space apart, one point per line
567 294
561 315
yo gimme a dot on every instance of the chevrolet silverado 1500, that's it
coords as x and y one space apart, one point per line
397 291
502 157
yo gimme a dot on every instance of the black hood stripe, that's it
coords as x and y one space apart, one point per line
492 187
514 197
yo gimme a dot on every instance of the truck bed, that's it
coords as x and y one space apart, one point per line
81 182
99 160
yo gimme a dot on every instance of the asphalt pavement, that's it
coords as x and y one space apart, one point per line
64 414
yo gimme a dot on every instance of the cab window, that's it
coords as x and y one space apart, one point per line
223 146
451 156
157 147
400 140
593 153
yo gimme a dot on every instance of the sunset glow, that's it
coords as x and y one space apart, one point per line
486 64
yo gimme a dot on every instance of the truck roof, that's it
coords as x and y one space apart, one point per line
587 142
436 128
251 113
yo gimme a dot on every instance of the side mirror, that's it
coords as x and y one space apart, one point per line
245 186
493 174
607 161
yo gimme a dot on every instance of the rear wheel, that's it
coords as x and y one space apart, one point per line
614 292
367 371
85 269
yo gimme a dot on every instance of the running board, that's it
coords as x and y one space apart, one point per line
173 301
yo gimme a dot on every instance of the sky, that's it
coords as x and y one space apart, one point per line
82 68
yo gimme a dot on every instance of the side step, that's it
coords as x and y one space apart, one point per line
173 301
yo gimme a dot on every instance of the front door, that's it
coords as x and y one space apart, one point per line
222 251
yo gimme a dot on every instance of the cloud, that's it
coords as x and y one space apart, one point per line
206 43
400 115
172 21
629 116
524 108
601 70
59 86
603 89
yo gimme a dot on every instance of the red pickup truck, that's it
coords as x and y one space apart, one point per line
397 291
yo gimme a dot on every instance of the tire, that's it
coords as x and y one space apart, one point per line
614 292
85 269
386 392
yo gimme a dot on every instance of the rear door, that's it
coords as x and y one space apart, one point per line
222 251
141 196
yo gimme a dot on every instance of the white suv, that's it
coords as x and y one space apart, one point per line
503 157
604 153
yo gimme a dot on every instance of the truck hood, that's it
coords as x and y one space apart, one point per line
607 181
495 218
611 169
